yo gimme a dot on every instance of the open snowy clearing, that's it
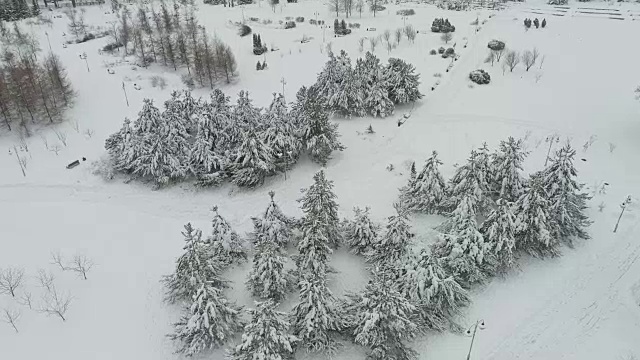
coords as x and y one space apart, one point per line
584 305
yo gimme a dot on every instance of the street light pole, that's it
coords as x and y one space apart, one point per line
125 93
49 41
84 57
624 204
479 323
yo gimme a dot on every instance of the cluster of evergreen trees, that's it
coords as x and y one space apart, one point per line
13 10
172 36
367 88
531 215
213 141
33 88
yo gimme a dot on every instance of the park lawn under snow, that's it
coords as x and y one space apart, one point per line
584 305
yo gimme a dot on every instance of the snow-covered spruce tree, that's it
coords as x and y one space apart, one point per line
402 81
313 249
319 135
219 119
372 79
320 208
566 198
349 97
381 319
268 279
252 162
427 190
499 231
281 134
225 243
185 108
471 179
272 227
266 336
392 245
315 317
246 115
436 294
462 247
210 322
361 233
120 149
533 221
506 163
164 148
195 267
330 80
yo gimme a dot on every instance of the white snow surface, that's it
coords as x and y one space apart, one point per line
584 305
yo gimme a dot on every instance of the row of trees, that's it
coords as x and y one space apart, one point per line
33 89
13 10
172 36
510 58
533 215
367 88
213 141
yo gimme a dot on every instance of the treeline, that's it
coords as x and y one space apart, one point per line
13 10
33 89
212 141
367 88
171 36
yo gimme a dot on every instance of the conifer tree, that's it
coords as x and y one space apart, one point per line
392 245
280 134
194 268
472 180
382 319
499 231
211 321
373 80
268 279
377 102
320 207
272 227
245 114
315 316
566 197
533 221
314 249
462 246
319 135
436 294
349 97
427 190
224 242
507 180
252 162
266 336
361 232
402 81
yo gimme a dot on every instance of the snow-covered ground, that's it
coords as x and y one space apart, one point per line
584 305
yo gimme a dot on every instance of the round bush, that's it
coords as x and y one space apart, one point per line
433 52
496 45
480 77
441 50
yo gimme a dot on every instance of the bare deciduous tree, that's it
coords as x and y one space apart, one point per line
497 54
361 44
491 58
373 42
56 259
348 7
386 35
82 265
11 316
334 5
89 133
55 303
26 300
360 6
398 35
511 60
529 58
10 280
55 149
446 37
62 136
46 279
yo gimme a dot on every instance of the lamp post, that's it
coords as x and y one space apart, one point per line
479 324
623 206
283 82
125 93
48 40
83 56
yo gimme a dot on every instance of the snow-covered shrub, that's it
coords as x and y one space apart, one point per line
289 24
406 12
558 2
496 45
441 25
110 47
450 52
480 77
441 50
434 52
300 19
244 30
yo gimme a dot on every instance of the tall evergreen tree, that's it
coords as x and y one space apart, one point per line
427 191
194 268
315 316
499 231
211 321
382 319
462 246
506 163
437 295
268 279
320 207
472 180
566 197
245 114
361 232
319 135
252 162
272 227
266 336
393 244
402 81
281 134
224 242
533 221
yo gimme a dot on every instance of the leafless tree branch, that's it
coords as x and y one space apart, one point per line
11 316
46 279
10 280
54 303
81 264
56 259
